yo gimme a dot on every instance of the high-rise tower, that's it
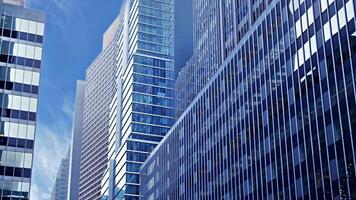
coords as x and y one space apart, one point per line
76 143
21 41
142 109
277 119
99 90
60 188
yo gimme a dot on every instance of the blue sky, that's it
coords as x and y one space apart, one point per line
73 38
73 35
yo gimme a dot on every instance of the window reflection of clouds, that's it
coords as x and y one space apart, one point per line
28 26
16 159
24 76
21 103
19 130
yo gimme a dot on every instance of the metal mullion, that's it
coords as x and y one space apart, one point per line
354 90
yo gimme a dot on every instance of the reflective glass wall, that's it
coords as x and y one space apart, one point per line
147 108
277 120
21 41
142 110
60 188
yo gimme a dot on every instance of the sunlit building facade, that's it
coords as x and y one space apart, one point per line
21 41
278 118
142 108
99 90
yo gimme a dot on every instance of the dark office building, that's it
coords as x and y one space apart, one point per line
278 118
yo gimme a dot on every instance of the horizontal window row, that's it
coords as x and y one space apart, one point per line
17 130
28 62
132 167
153 38
16 159
153 80
13 187
9 195
16 102
163 5
163 92
135 156
155 12
22 25
145 137
140 146
15 172
21 50
153 47
152 109
21 35
17 114
152 119
153 20
133 178
153 62
16 142
140 98
19 75
18 87
149 129
154 71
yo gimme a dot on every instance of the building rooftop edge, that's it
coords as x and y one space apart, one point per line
23 12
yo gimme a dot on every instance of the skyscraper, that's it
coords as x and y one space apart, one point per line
208 52
60 188
21 41
218 26
76 143
99 90
187 85
142 109
277 119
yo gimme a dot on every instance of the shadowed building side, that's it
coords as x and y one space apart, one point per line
76 142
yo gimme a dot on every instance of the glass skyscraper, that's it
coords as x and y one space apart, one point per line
21 41
208 50
142 109
60 188
278 118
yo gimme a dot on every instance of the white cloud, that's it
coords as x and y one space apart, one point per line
60 15
51 146
67 108
38 194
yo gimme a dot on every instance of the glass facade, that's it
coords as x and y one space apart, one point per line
21 41
188 84
142 109
277 120
218 26
60 188
207 53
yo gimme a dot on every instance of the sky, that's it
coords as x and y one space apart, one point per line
73 38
